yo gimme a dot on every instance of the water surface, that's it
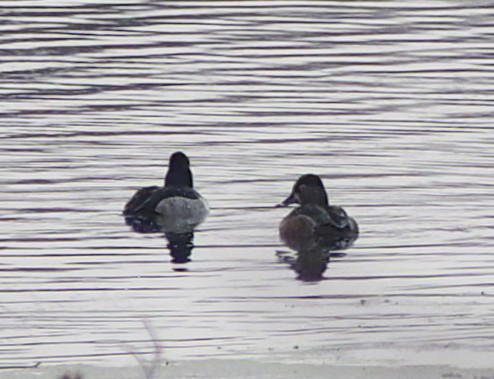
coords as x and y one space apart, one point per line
390 102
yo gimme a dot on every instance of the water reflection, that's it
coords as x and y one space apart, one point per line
180 243
309 265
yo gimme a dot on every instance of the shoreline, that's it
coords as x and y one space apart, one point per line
244 368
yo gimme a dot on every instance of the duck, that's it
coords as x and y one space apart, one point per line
315 224
176 207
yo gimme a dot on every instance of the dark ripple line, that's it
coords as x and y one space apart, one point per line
38 269
440 295
132 341
108 133
141 351
417 276
80 255
213 6
53 210
82 289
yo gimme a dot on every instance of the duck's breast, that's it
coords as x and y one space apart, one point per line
297 232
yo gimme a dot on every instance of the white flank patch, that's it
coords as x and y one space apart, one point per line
180 215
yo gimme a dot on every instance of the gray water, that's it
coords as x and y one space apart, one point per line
390 102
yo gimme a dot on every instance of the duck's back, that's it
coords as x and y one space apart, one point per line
140 198
341 232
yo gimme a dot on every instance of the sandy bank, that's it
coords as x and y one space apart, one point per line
250 369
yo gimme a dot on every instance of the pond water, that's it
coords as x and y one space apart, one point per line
390 102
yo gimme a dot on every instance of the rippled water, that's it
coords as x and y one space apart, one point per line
390 102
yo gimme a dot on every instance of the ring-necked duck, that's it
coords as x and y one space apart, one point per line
176 207
315 223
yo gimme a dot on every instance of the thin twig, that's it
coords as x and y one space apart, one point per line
150 370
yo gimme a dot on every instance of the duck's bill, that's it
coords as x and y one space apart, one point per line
289 200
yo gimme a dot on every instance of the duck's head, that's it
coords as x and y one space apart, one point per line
179 173
179 159
308 189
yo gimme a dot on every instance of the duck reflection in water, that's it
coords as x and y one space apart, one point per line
175 209
315 228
